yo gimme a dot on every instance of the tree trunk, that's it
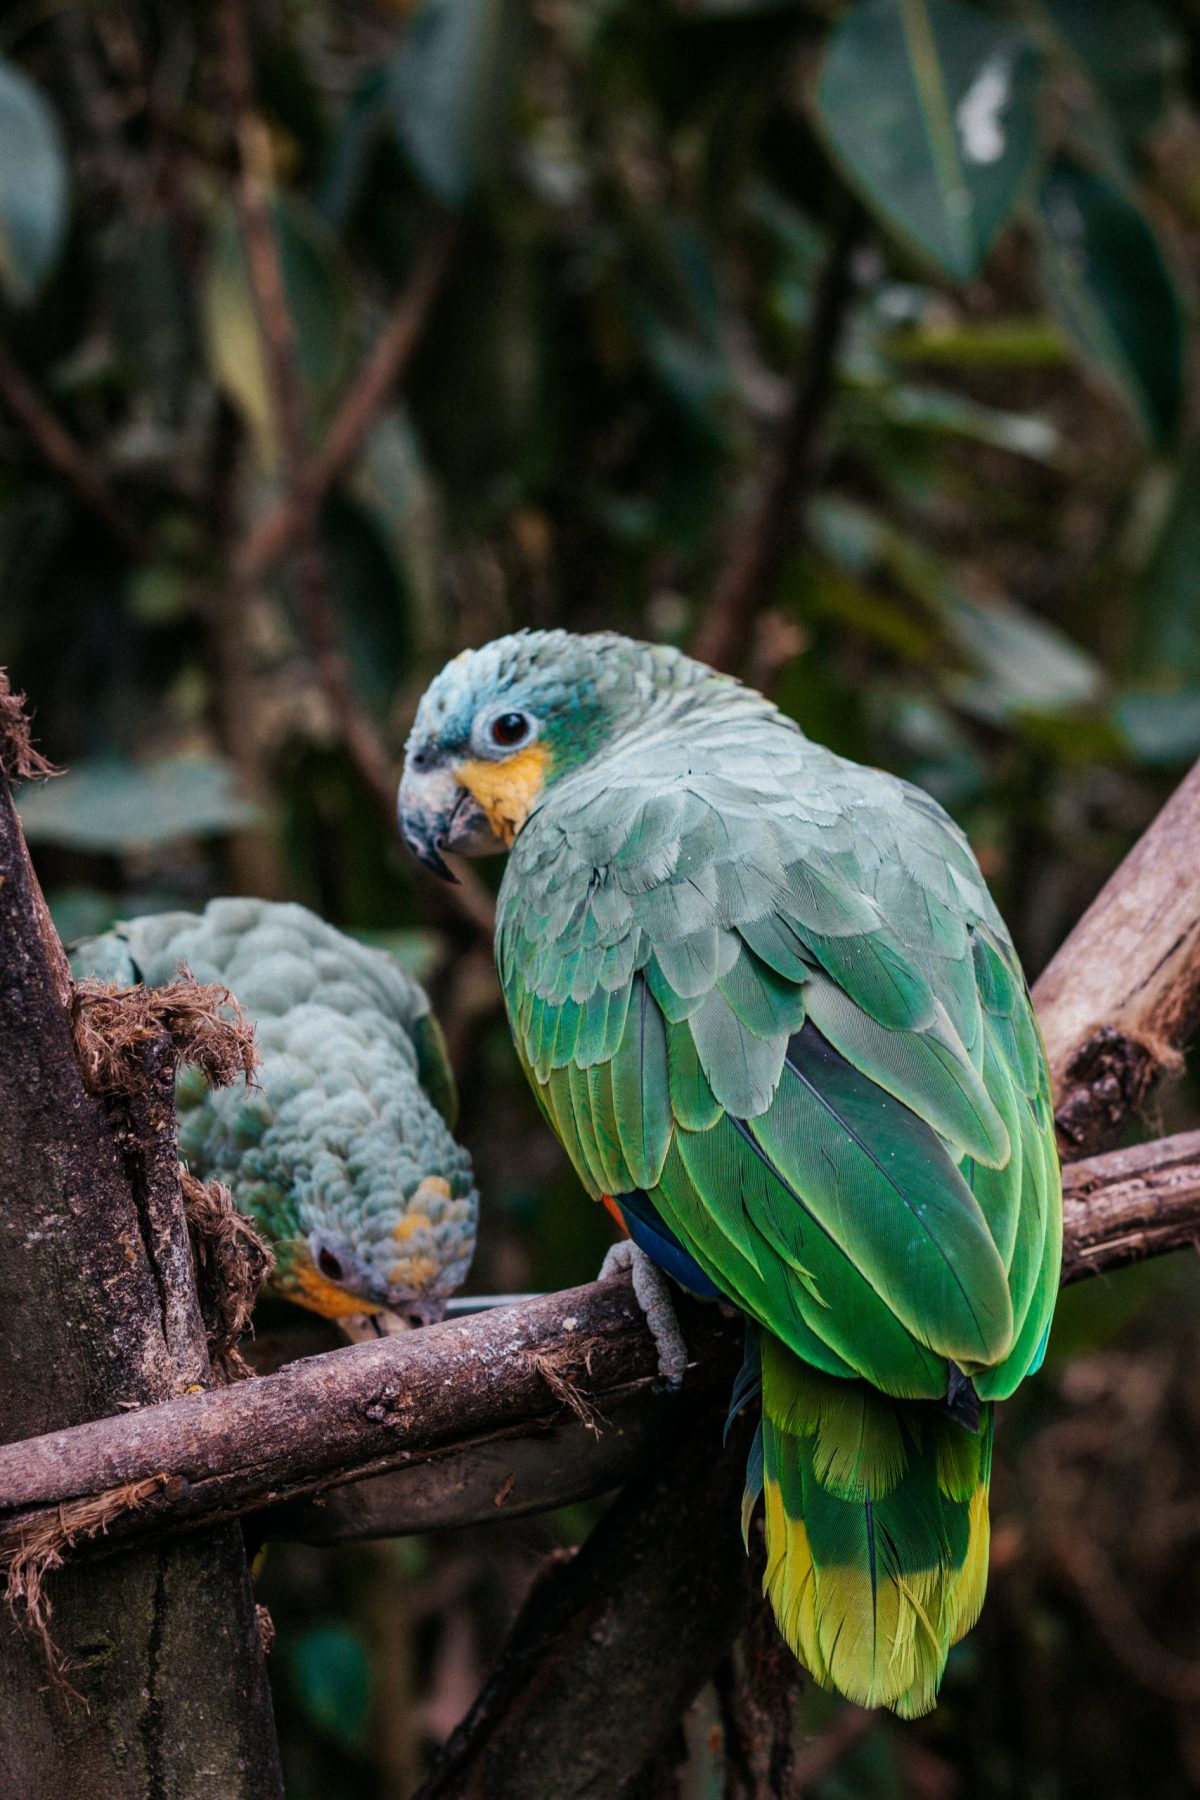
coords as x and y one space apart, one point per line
161 1691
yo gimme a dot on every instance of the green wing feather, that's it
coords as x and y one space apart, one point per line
822 964
775 996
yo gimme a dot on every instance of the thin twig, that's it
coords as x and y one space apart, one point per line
744 584
274 533
55 445
293 524
253 202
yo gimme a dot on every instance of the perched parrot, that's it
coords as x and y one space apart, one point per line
342 1152
766 1002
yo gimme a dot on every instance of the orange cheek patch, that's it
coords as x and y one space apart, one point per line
325 1297
506 790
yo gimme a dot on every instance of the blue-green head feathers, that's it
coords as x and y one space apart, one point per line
502 724
577 690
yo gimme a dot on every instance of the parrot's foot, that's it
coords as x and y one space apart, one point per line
653 1294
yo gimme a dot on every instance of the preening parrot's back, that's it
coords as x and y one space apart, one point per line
342 1149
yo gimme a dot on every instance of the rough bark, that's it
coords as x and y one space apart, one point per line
519 1471
353 1412
1131 1204
159 1645
636 1621
1122 995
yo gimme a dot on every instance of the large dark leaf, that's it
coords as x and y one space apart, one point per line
929 105
447 88
1105 275
1168 594
33 186
1130 48
106 805
371 603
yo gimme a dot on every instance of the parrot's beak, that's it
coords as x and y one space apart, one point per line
437 813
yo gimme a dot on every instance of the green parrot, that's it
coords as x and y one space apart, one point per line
766 1002
342 1151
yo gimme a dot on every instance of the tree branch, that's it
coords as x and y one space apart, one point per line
662 1577
274 533
1130 1204
744 584
481 1384
1121 996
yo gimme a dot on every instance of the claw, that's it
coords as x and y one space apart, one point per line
653 1294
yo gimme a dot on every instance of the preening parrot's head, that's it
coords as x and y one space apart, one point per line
342 1150
499 724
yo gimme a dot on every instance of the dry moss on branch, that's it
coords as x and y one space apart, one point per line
44 1545
18 758
231 1262
204 1023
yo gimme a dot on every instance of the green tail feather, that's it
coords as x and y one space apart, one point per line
877 1531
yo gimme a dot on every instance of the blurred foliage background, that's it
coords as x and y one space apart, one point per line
845 340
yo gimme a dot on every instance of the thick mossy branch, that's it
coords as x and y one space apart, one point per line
100 1315
496 1378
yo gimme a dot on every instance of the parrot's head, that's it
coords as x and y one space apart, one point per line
501 723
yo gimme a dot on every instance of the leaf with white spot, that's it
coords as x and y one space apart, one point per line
929 106
33 187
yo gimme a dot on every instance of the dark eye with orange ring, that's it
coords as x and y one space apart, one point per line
509 729
329 1265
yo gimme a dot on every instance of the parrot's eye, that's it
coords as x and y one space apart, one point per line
329 1265
509 729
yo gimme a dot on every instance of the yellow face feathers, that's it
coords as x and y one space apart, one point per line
308 1287
507 791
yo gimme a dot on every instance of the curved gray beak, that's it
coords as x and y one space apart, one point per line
437 814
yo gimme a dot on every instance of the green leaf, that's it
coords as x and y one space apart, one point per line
982 344
33 187
1132 51
331 1674
447 89
371 603
1166 601
109 805
1106 277
393 482
1161 728
943 414
1025 662
929 105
